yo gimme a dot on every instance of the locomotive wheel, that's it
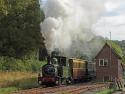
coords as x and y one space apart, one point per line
58 82
71 80
39 82
44 86
64 81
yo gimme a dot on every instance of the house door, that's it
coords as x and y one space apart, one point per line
106 78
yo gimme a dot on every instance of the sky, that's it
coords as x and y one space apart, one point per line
112 20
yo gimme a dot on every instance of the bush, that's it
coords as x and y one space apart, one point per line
25 64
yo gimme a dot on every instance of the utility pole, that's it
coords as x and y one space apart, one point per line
110 48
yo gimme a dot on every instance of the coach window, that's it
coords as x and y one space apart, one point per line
75 65
79 64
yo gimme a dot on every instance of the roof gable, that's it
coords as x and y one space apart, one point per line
115 49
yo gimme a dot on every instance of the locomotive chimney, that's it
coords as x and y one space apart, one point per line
48 59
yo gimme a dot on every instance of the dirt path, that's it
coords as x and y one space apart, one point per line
71 89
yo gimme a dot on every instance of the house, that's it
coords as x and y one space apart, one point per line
109 62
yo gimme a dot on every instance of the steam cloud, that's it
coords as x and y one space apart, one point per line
68 26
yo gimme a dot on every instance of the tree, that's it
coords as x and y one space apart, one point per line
122 45
20 27
3 9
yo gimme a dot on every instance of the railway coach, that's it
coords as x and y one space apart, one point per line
79 70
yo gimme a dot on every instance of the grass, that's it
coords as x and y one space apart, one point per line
20 85
8 90
106 91
27 83
13 81
15 75
12 78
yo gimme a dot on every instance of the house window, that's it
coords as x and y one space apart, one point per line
103 62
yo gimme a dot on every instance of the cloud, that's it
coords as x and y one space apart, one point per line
113 24
110 6
112 21
114 7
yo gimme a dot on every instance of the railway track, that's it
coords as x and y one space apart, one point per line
71 89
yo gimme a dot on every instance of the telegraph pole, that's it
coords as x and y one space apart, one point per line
110 48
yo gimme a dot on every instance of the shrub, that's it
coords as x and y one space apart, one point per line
25 64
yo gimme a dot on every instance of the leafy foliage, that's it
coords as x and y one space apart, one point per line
116 48
122 45
12 64
19 27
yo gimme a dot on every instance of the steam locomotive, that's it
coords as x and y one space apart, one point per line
60 70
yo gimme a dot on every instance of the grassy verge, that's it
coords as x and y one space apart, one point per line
13 78
106 91
8 90
20 85
13 81
27 83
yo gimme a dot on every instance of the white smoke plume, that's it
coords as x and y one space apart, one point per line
67 25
